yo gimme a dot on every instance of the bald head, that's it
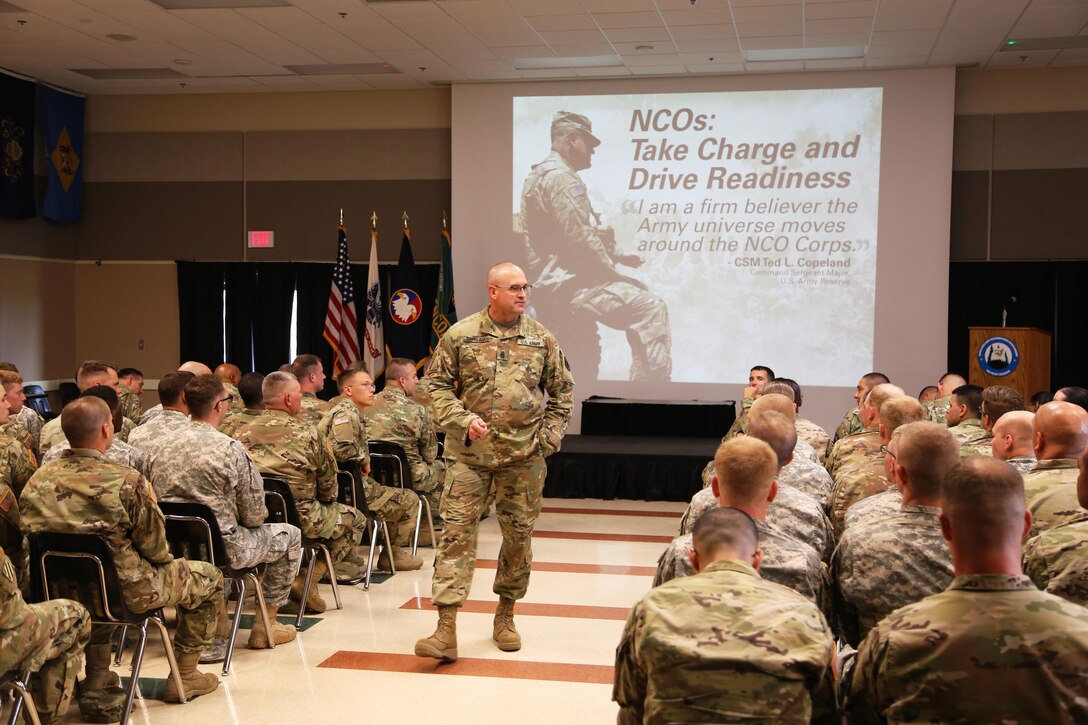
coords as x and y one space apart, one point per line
87 423
775 402
1013 435
229 373
777 431
194 367
1060 431
503 272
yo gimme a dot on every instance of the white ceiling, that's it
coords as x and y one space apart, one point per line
437 42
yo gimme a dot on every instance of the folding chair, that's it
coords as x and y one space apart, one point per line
350 481
80 567
15 682
281 509
37 399
193 533
389 467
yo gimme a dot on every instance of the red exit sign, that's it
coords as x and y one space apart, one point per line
260 240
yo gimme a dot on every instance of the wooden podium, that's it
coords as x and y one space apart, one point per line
1026 350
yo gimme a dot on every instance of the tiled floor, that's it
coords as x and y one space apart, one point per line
593 561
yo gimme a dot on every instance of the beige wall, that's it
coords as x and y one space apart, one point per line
38 299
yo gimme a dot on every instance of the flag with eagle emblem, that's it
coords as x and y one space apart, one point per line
408 332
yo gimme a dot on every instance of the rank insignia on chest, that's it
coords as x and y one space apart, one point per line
503 355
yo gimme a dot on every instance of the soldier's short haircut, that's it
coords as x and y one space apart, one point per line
250 389
397 367
275 384
777 402
1041 398
899 410
83 418
725 530
879 393
928 451
985 498
873 379
9 366
305 364
1075 395
90 368
746 467
765 369
971 396
777 431
929 389
793 384
172 386
9 378
201 394
951 376
1000 399
781 389
349 374
129 373
104 393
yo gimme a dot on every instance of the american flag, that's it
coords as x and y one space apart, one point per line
341 328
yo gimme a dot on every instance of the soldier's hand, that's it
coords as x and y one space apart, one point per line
366 470
751 392
477 429
631 260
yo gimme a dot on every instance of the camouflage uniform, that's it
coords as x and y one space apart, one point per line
284 446
481 370
156 432
32 422
880 567
235 420
151 414
724 645
858 470
17 464
130 404
1057 561
118 452
1048 473
46 638
802 449
201 465
991 648
423 393
313 409
1022 464
972 437
559 230
851 424
53 434
343 427
236 404
740 425
394 417
808 477
14 429
876 508
83 493
786 561
815 436
1050 489
936 410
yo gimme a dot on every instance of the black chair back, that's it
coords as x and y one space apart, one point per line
193 532
279 501
389 464
38 400
68 393
79 567
350 481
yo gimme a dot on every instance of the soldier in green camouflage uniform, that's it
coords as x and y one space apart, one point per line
964 419
131 384
46 638
723 645
1060 437
490 374
758 377
991 648
23 423
1012 440
283 445
345 428
396 418
936 410
572 259
311 378
231 376
250 403
84 493
16 469
851 422
1057 559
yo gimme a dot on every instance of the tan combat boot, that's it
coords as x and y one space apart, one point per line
402 560
314 602
196 683
505 635
442 645
281 633
101 698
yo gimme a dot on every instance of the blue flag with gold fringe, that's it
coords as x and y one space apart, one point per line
16 147
62 125
406 334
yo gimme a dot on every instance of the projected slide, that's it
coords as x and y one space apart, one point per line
687 237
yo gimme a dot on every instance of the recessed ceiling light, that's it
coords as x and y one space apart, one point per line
644 47
590 61
122 37
86 20
776 54
182 61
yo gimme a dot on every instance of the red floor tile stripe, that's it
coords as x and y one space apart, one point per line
578 568
645 538
612 512
471 667
570 611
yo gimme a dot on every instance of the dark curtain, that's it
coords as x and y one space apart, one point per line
200 310
313 283
275 286
240 280
1049 295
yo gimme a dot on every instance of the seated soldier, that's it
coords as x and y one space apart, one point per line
190 367
997 400
851 422
1012 441
84 493
17 465
964 419
1072 394
1037 400
991 648
89 374
937 409
1057 559
811 433
231 377
131 382
745 480
394 417
285 446
25 414
202 465
249 388
724 645
311 379
1060 437
883 565
346 430
758 377
119 452
46 638
172 415
24 428
16 461
929 392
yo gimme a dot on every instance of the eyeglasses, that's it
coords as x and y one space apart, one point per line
371 386
515 288
888 451
225 400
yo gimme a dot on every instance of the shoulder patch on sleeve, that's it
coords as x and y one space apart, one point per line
340 420
577 190
7 500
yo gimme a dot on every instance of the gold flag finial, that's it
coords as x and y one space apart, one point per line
404 217
445 221
341 216
374 220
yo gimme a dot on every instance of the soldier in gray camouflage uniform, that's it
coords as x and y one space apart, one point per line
311 379
346 430
284 446
46 638
173 414
1060 437
89 374
880 567
396 418
1012 441
119 451
991 648
723 644
84 493
490 374
573 259
201 465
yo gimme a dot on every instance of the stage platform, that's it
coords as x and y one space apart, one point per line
628 467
